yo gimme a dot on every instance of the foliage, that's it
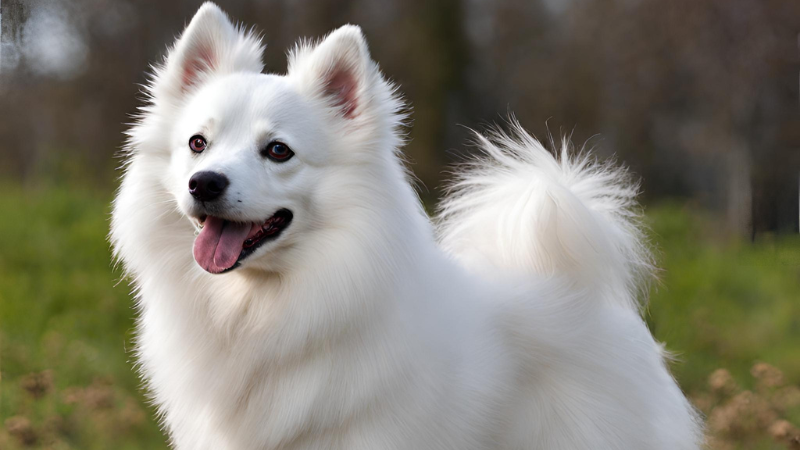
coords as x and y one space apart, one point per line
739 418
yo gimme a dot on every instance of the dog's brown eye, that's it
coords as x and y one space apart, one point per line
197 143
278 151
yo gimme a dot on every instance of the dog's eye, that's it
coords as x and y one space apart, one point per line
278 151
197 143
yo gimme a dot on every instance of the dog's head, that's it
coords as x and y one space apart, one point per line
250 155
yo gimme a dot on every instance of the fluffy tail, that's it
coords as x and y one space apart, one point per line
522 208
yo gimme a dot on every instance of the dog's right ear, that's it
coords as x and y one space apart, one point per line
210 46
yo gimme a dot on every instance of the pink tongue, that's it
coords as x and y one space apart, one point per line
219 244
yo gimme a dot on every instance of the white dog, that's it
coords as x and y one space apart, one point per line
293 293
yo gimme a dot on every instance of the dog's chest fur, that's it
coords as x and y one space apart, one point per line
237 366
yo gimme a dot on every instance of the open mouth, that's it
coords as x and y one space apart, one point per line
222 244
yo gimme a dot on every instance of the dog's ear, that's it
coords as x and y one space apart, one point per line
211 45
338 70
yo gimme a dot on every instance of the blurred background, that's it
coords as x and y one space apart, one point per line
699 97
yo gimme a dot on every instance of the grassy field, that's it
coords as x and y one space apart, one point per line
729 310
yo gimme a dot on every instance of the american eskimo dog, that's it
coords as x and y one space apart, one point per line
293 294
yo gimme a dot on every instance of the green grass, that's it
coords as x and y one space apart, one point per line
61 310
720 303
723 302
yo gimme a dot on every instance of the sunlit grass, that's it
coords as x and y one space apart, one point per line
66 326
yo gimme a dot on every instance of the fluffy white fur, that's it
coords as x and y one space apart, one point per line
514 325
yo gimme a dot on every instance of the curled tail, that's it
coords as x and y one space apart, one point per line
521 208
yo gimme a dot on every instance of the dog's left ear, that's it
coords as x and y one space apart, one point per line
210 46
338 70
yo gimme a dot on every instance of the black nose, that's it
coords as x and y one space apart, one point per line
207 186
